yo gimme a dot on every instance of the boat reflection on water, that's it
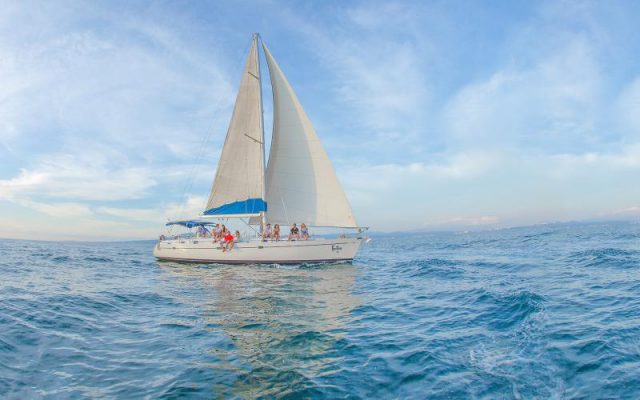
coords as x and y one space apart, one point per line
283 322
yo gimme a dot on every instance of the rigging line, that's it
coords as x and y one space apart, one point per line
191 176
247 223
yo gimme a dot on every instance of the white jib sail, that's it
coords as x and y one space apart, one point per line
301 185
239 181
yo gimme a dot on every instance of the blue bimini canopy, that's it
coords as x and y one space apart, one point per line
249 206
190 223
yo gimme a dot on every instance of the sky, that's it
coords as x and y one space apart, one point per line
436 114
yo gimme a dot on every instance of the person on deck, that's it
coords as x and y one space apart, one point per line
294 234
276 232
267 234
202 231
220 236
227 241
237 236
217 233
304 231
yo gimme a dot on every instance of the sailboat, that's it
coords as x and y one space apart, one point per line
297 185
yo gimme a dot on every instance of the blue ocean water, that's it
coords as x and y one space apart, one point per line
547 312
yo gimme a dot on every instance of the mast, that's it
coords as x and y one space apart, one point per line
263 219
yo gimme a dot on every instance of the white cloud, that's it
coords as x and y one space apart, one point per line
378 72
191 207
506 188
635 210
58 210
74 227
629 109
628 158
86 177
548 107
483 220
77 221
123 80
457 166
384 91
136 214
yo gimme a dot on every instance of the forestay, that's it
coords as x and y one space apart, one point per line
301 184
238 187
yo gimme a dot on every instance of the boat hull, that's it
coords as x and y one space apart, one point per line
203 250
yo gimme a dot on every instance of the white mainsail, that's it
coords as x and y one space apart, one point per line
301 185
238 187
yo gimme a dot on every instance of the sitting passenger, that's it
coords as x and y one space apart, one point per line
237 238
267 234
276 232
202 231
223 232
304 232
294 234
227 242
217 233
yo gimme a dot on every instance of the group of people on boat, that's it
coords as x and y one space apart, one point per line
220 234
295 233
223 236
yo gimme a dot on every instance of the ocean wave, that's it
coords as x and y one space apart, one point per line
606 257
503 311
433 267
538 236
98 259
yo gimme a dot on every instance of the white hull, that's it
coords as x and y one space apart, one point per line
203 250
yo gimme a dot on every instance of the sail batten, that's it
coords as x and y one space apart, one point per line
301 184
238 186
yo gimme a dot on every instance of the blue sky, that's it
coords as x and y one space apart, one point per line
437 115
